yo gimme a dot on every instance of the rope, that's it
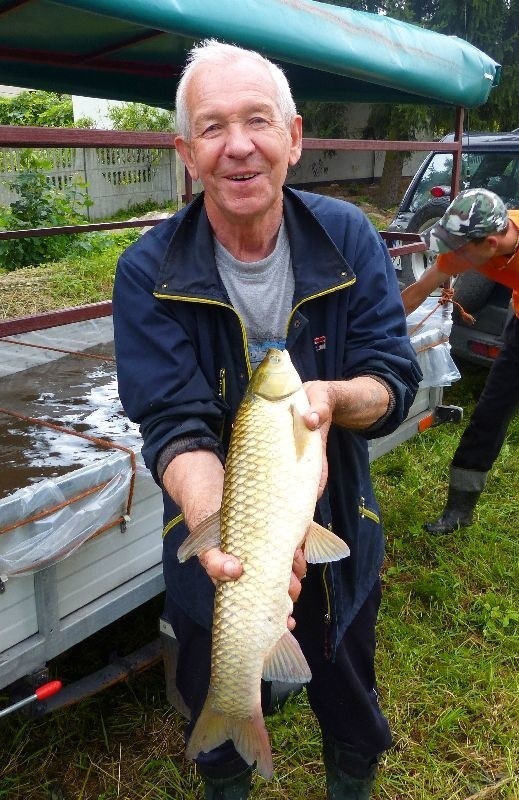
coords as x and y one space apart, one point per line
104 443
49 511
59 350
431 346
447 296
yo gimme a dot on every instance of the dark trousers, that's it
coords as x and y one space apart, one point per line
342 693
484 435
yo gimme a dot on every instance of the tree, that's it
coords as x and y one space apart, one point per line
490 25
47 109
140 117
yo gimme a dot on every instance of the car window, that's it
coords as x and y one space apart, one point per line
498 172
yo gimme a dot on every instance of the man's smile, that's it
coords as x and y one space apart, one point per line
245 177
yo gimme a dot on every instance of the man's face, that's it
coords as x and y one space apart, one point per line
477 252
240 148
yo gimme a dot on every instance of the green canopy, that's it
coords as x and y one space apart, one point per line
135 49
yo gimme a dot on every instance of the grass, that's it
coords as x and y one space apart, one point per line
447 658
81 279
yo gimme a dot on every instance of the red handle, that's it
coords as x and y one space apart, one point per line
47 690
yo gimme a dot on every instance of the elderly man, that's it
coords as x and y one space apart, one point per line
197 302
476 232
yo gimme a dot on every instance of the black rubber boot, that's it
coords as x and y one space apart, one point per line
458 512
236 787
349 775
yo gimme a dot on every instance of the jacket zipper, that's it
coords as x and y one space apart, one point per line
185 299
327 618
366 512
222 390
327 611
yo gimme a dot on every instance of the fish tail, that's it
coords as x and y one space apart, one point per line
249 735
252 742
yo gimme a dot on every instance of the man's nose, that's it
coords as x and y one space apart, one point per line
239 143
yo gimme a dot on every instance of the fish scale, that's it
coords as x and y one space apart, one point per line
270 490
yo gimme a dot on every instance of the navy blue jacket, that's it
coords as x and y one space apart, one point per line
183 366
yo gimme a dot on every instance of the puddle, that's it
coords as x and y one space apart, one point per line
73 392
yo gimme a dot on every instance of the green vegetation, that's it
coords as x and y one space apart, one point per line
40 204
54 110
140 117
46 109
82 278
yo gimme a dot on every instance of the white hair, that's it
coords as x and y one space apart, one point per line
211 51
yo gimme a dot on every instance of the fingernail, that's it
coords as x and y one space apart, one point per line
313 418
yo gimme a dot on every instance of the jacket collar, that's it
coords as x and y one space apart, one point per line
189 267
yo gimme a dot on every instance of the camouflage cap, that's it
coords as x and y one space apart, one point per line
473 214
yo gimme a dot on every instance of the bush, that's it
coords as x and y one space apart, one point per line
40 204
47 109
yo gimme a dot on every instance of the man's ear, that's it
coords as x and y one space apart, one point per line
185 151
296 140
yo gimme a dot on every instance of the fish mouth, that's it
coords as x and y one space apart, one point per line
276 377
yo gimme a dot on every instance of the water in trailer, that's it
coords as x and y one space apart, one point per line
73 392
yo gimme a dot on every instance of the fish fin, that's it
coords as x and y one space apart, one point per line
252 742
211 729
286 662
203 537
249 735
321 545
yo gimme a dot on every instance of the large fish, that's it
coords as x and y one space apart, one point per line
270 491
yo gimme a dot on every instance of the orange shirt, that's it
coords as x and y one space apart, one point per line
495 268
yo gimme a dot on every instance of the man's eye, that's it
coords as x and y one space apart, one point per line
212 130
258 122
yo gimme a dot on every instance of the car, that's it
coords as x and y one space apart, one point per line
489 161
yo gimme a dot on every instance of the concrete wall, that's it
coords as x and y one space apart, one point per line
120 178
116 178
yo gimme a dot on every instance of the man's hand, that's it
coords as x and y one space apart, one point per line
356 403
195 482
225 567
220 566
319 416
299 567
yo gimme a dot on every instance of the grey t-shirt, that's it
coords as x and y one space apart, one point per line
262 293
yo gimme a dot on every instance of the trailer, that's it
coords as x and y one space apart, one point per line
80 541
60 583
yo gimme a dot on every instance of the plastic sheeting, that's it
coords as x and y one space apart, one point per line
59 534
429 328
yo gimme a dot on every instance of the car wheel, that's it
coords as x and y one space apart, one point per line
415 264
471 290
